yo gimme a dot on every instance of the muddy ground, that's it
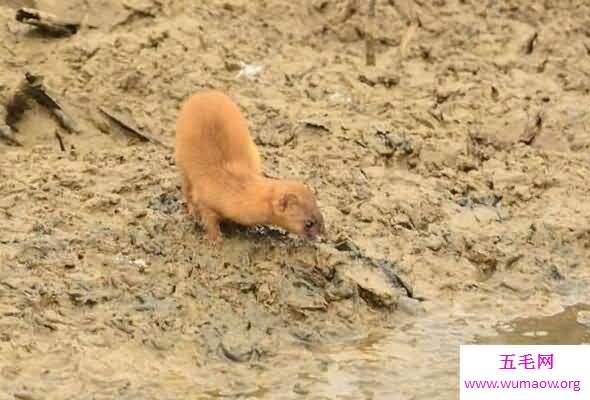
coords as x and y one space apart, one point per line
459 163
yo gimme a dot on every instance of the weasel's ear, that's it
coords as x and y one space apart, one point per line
285 201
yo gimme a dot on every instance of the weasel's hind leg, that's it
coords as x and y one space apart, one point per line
211 222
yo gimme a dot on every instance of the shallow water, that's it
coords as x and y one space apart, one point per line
418 361
560 329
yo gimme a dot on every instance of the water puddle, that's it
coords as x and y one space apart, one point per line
420 360
569 327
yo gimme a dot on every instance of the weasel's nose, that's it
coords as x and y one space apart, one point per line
320 234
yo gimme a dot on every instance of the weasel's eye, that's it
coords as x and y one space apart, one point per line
309 223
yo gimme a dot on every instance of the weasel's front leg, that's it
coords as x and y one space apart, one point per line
188 197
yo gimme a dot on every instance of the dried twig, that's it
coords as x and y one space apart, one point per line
530 43
46 22
370 41
129 128
60 140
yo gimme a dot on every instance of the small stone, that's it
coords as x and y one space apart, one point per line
409 305
297 388
433 243
238 347
140 264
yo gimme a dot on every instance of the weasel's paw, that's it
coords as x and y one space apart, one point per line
213 237
190 209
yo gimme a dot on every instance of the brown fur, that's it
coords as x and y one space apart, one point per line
222 173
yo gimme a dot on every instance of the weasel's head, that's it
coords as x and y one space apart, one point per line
295 209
